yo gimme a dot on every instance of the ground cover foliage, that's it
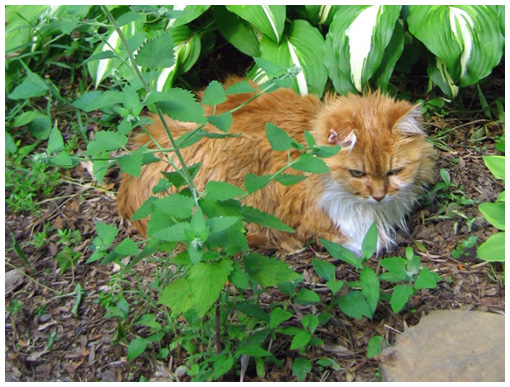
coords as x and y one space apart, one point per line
91 300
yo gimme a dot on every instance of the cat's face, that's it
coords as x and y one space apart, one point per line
384 150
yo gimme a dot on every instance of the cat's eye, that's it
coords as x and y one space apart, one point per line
356 173
394 172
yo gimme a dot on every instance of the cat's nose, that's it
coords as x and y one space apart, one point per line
379 197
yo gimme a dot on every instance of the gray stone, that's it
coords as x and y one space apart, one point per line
448 346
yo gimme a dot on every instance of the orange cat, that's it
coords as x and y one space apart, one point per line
384 161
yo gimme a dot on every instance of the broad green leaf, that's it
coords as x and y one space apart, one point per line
174 233
392 54
252 310
127 247
176 205
136 347
277 316
239 278
207 280
95 100
106 141
268 19
321 14
308 163
236 31
222 365
400 296
106 233
289 179
342 253
221 223
132 163
242 87
356 43
222 121
157 52
493 249
325 151
175 177
496 165
426 279
310 322
178 296
300 340
494 213
268 271
55 141
302 47
324 269
181 105
19 20
253 215
278 138
369 243
214 94
354 305
254 182
188 13
466 40
145 209
32 86
370 287
396 267
300 368
374 347
220 190
10 144
306 296
253 350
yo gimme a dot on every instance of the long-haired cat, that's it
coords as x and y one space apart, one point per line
384 161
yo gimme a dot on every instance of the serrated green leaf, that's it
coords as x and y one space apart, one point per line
32 86
240 88
181 105
127 247
278 138
132 163
176 205
222 121
176 178
178 296
220 190
207 281
268 271
400 296
221 223
307 163
55 141
145 209
253 182
325 151
173 233
289 179
214 94
106 141
300 368
253 215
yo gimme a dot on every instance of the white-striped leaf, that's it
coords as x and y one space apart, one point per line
268 19
320 14
466 39
301 46
103 68
188 13
356 43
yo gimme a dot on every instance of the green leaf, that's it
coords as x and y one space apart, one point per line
145 209
174 233
269 19
96 100
236 31
496 165
369 243
156 53
32 86
132 163
278 138
180 105
127 247
340 252
396 267
252 310
374 347
494 213
426 279
302 47
106 233
400 296
300 340
220 190
306 296
239 278
253 215
214 94
334 286
493 249
324 269
178 296
325 151
242 87
207 281
221 223
310 322
55 141
277 316
136 347
176 178
222 121
254 183
300 368
308 163
354 305
253 350
268 271
189 13
106 141
176 205
222 365
289 179
370 287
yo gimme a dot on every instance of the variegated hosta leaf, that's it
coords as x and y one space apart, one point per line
188 13
356 43
268 19
301 46
466 40
187 50
321 14
103 68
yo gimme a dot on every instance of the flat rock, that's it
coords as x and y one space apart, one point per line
448 346
13 280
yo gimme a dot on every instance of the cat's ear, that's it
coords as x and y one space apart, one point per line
409 123
346 142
